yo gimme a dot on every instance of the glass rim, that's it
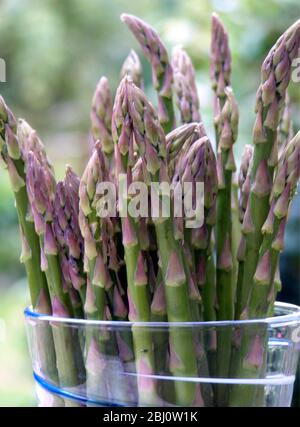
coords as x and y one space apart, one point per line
292 316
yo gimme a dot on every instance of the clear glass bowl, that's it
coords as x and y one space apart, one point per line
109 363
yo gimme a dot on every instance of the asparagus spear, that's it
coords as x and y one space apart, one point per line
226 127
151 143
275 77
188 104
41 211
199 165
137 281
68 236
250 358
11 153
284 187
160 339
95 250
227 133
132 67
100 115
191 170
200 160
244 192
30 141
185 86
40 186
162 73
201 237
226 122
220 65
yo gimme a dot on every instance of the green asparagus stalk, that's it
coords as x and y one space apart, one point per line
227 133
137 281
162 73
199 165
275 77
226 126
132 67
12 154
227 232
250 357
151 143
226 123
185 86
284 187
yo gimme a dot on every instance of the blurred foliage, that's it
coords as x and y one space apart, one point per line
55 52
16 381
9 236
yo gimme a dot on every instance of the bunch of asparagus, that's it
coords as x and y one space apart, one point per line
82 264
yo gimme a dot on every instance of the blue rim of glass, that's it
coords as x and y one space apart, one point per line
61 392
292 316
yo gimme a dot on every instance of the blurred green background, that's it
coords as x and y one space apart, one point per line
55 51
